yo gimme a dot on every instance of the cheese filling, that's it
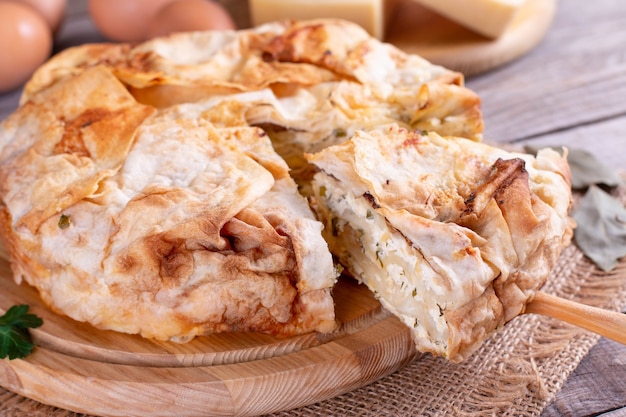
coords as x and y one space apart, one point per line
384 260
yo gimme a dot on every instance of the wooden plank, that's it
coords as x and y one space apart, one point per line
619 412
604 139
576 76
224 374
597 386
8 102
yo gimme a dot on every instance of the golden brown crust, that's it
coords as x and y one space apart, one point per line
472 322
89 142
157 224
330 72
309 85
453 235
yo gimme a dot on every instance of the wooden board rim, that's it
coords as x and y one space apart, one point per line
217 390
441 41
109 374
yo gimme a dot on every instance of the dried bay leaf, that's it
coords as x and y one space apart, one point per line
586 169
601 228
601 219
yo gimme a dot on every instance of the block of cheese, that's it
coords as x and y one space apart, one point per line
487 17
372 15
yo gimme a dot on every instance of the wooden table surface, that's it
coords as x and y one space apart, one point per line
569 90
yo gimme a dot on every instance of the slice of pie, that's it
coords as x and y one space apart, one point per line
453 236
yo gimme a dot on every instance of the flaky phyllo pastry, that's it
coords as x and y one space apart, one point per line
308 84
151 188
453 236
166 228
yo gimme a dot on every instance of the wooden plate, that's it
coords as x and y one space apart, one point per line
418 30
79 368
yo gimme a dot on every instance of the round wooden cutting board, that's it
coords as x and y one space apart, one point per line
418 30
77 367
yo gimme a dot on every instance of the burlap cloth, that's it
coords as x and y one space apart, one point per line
515 373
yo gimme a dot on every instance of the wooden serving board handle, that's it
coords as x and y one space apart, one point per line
606 323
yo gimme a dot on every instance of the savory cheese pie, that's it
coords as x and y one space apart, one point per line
308 84
157 188
453 236
169 228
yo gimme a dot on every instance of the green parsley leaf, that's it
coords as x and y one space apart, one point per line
15 340
64 221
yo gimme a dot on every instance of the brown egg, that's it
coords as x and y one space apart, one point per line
190 15
124 20
51 10
25 43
